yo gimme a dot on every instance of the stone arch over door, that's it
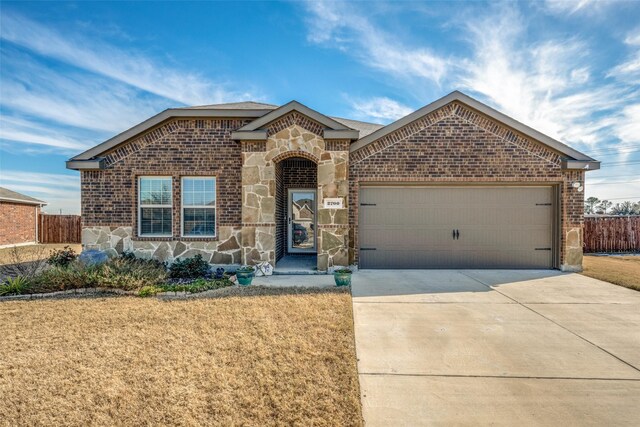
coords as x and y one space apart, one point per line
259 194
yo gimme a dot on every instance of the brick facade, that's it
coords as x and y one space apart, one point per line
18 223
453 144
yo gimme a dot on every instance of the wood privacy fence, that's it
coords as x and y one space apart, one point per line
612 234
59 229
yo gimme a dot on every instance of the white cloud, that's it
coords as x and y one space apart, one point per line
28 132
629 70
130 67
60 191
546 84
336 25
379 109
564 7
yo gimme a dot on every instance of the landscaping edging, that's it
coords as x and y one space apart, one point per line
105 292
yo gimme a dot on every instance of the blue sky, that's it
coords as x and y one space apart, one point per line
74 74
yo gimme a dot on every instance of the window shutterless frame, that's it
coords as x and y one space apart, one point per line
213 207
161 205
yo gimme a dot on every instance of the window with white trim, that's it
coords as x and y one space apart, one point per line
199 206
155 206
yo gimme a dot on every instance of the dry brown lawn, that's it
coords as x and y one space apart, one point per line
263 357
32 252
619 270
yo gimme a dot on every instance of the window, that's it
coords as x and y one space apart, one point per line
154 206
199 207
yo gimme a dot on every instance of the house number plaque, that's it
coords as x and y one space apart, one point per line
334 203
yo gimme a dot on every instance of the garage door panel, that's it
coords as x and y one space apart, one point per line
499 227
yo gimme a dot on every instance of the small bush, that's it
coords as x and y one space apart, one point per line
14 286
128 255
149 291
189 268
219 273
117 273
62 257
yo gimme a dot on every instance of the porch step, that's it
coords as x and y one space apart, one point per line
293 272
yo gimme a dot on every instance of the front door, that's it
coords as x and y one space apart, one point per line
301 236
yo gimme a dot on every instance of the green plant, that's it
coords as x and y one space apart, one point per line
246 269
14 285
128 255
189 268
343 271
62 257
148 291
117 273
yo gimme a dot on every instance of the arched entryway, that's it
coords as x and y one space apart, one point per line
296 236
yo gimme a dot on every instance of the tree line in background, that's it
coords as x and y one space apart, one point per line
593 205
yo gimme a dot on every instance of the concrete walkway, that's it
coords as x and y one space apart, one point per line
478 347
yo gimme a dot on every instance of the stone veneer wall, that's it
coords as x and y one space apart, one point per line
293 135
457 144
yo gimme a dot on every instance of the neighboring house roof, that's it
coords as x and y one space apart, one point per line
7 195
336 128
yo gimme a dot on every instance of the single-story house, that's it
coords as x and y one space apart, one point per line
18 218
455 184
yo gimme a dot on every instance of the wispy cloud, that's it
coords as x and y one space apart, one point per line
378 109
28 132
60 191
337 25
127 66
547 81
629 70
548 85
564 7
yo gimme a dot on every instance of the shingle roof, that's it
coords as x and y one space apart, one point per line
246 105
365 128
12 196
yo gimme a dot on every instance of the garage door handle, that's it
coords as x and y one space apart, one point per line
454 234
457 234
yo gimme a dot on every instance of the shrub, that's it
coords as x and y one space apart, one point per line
189 268
14 286
219 274
117 273
148 291
62 257
128 255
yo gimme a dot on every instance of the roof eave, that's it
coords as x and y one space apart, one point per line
24 202
161 117
585 165
91 164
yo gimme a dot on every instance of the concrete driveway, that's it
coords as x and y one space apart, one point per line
496 347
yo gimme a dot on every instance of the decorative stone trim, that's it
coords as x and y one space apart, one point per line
290 154
116 240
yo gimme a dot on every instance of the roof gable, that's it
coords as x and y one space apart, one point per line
574 158
256 131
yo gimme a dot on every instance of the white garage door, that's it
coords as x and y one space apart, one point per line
456 227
